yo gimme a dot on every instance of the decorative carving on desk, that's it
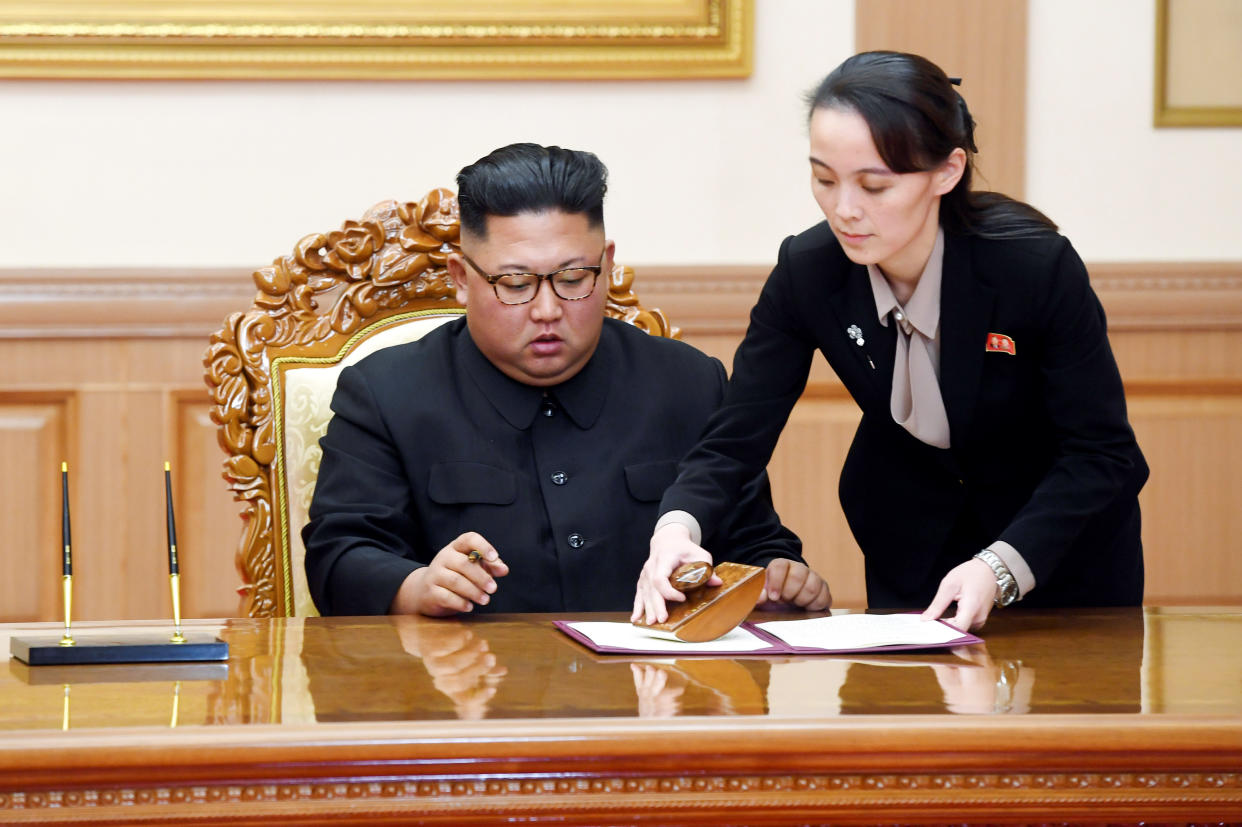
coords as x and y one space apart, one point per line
332 285
965 793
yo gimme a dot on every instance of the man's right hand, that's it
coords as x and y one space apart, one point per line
671 547
452 582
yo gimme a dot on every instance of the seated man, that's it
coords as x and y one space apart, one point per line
534 431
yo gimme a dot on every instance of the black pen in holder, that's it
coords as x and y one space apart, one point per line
118 644
66 562
174 571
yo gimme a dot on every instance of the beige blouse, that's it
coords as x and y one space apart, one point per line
916 403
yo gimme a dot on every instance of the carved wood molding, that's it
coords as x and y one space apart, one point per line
1137 296
310 302
581 798
1168 296
706 300
676 771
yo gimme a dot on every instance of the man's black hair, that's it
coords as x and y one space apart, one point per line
528 177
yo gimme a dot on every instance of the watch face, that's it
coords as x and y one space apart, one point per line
1008 592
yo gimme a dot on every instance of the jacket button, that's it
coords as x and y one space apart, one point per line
560 478
576 540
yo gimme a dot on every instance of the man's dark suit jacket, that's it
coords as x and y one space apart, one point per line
429 440
1042 455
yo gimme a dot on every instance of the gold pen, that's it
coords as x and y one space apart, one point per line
176 705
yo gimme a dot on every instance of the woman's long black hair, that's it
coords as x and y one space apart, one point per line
917 119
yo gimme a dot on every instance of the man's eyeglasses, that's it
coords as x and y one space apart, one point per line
571 284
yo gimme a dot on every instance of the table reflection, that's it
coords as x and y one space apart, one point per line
711 686
419 668
304 671
461 664
1029 663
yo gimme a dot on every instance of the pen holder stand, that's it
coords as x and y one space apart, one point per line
711 611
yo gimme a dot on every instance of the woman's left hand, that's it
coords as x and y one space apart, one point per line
972 585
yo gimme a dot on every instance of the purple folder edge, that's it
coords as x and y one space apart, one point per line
776 646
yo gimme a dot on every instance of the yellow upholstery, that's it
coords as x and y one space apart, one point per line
272 369
308 385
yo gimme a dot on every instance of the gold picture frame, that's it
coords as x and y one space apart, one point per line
1198 63
376 39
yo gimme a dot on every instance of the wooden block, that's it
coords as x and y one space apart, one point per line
712 611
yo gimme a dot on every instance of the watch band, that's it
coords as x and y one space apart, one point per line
1006 585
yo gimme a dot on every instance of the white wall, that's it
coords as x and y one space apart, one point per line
230 174
1120 188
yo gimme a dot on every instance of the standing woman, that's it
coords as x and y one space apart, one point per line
994 461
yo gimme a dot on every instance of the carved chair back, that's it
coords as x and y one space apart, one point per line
272 369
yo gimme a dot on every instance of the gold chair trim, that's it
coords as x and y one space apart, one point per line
278 402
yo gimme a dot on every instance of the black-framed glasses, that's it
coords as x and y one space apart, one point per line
571 284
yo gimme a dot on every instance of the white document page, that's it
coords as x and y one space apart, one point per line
629 636
860 631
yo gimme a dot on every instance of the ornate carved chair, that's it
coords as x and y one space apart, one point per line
272 369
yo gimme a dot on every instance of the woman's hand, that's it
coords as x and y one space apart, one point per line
972 585
670 547
659 690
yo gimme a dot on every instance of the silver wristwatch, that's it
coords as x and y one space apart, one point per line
1006 585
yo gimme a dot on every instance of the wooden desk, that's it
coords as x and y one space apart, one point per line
1070 716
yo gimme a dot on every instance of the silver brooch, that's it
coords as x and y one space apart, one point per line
855 333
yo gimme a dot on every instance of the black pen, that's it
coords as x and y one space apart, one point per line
174 570
66 560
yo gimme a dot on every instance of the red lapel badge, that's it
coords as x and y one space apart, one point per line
1000 343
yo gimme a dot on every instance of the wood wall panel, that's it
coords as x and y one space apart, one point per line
33 444
124 404
207 522
119 399
804 472
984 43
1193 443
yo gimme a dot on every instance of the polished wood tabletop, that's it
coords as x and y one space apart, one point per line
492 717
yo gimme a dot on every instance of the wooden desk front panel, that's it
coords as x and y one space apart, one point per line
1094 716
112 382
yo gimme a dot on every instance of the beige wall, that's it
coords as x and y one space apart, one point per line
1120 188
212 174
205 174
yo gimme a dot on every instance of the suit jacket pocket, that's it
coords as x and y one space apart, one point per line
467 483
647 480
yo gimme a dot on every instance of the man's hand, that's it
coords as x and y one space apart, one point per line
796 584
452 582
461 663
973 586
670 548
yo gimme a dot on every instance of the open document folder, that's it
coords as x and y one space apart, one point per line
837 634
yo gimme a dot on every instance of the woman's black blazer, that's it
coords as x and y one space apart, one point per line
1042 454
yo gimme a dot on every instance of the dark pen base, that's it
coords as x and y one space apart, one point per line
121 648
